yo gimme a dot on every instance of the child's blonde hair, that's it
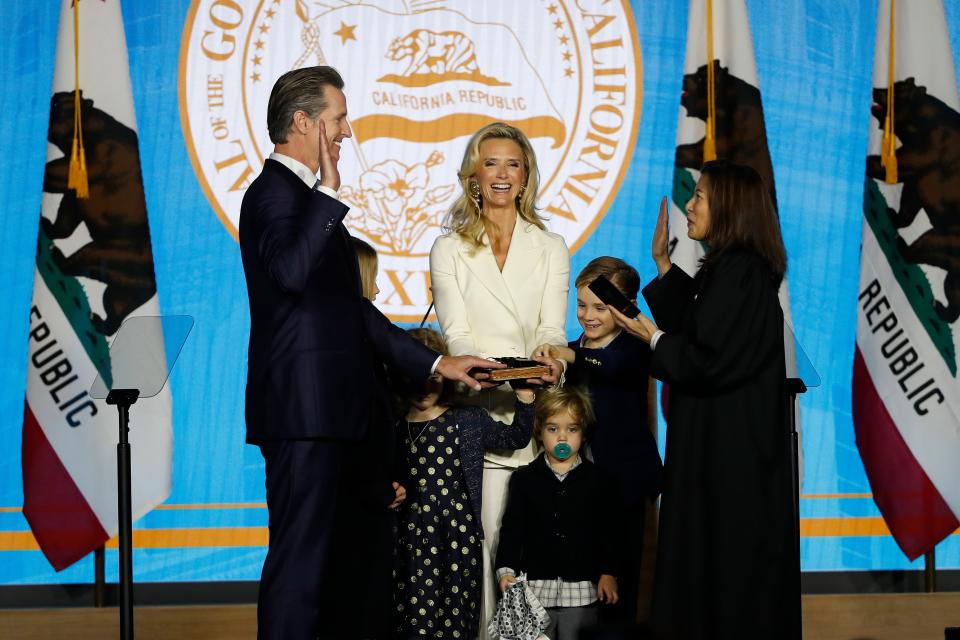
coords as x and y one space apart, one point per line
367 260
571 399
429 338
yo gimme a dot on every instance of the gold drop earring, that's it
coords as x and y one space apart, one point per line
475 194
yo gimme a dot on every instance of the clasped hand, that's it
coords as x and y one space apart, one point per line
399 495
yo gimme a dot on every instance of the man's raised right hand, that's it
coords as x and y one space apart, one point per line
329 156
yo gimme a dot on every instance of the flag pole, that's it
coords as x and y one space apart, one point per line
930 570
99 581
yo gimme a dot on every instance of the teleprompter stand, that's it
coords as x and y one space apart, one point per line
123 398
142 354
800 376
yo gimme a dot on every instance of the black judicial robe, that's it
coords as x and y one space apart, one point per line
726 560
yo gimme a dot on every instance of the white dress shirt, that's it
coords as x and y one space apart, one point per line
304 173
655 339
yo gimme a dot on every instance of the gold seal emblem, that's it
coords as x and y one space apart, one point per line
422 76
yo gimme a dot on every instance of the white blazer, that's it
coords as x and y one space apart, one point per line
486 312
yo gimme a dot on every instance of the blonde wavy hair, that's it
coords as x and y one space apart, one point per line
367 261
465 218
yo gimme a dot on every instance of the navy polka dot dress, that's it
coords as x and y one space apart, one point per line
439 555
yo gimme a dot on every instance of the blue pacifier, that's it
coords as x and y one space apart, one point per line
562 451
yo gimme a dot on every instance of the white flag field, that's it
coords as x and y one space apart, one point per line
94 269
721 116
906 401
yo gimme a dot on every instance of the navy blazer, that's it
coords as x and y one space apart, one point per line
314 340
621 443
571 529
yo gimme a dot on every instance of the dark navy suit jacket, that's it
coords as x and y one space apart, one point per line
314 340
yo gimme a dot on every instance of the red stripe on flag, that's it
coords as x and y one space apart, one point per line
61 519
912 507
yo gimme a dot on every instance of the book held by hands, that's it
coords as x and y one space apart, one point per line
517 369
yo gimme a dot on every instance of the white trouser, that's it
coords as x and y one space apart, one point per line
497 468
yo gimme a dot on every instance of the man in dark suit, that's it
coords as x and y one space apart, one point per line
314 340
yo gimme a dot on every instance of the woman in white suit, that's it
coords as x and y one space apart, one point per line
500 284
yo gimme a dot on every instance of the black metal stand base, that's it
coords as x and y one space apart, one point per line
123 399
795 386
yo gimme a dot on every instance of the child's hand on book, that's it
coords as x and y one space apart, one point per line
556 352
556 370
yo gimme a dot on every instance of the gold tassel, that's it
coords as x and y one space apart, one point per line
710 137
888 151
77 176
709 146
77 173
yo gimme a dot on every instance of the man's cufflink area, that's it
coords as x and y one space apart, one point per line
327 191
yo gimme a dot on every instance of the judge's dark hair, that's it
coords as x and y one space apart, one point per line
742 215
299 90
619 273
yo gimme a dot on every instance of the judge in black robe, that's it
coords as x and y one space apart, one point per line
727 564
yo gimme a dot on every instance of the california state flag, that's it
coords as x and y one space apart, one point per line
906 401
94 269
721 116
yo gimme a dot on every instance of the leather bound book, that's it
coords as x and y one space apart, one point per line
518 369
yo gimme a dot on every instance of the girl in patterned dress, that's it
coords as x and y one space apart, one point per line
439 553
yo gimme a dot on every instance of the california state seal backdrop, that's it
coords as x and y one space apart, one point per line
421 77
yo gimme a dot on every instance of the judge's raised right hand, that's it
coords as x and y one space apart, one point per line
661 239
458 367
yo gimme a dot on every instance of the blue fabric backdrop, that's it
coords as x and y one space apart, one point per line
814 61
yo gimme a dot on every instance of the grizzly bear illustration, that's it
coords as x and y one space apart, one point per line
928 165
433 52
741 135
115 214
